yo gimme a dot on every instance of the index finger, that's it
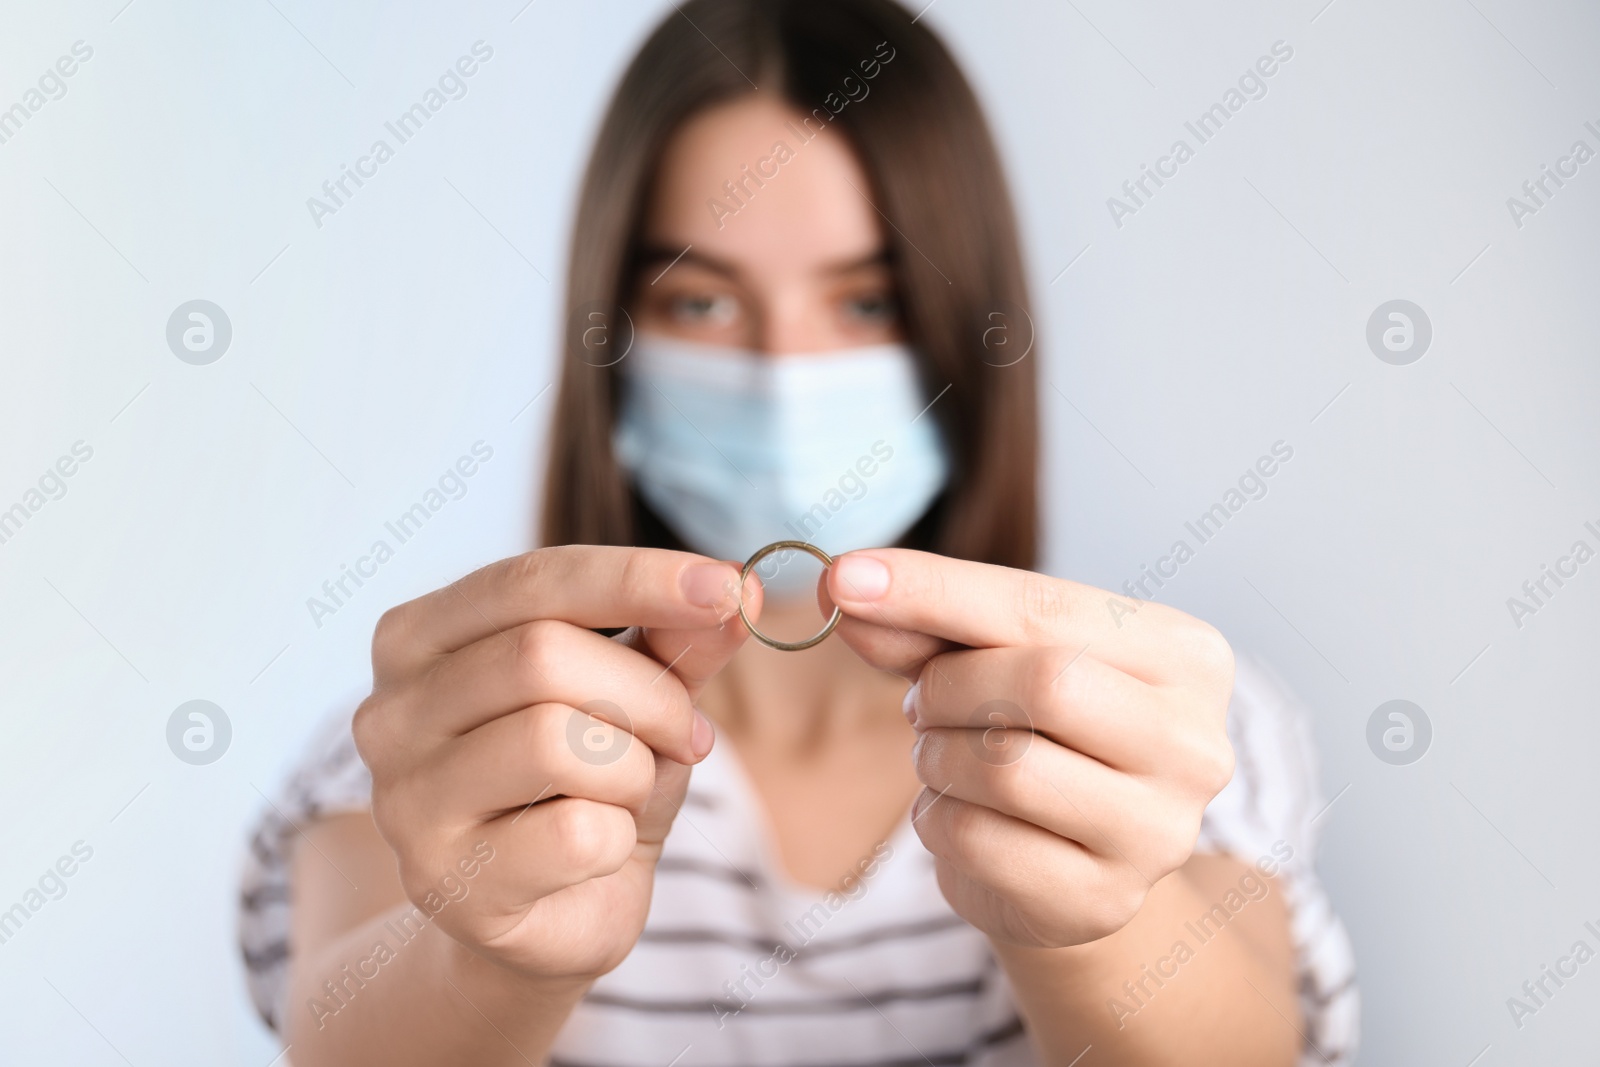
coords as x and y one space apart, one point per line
593 586
696 655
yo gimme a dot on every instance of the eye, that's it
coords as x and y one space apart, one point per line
704 309
875 308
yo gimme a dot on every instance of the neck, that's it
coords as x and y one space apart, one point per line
798 701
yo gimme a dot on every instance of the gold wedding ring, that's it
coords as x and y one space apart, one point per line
749 565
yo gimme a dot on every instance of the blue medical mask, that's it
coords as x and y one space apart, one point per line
734 449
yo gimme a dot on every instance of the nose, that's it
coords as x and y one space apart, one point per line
789 321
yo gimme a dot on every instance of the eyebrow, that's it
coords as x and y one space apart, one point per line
650 255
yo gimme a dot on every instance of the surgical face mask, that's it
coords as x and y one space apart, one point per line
734 449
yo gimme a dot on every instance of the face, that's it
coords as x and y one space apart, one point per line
800 266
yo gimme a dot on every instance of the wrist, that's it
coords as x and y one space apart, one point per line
1089 968
483 980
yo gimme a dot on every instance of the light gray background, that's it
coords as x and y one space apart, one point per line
366 356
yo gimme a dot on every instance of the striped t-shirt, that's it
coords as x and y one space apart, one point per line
739 965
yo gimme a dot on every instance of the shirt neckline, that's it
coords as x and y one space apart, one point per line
741 790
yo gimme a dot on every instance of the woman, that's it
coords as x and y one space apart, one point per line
606 828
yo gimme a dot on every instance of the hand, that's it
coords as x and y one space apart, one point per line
473 734
1068 750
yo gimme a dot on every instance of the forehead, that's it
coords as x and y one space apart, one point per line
810 210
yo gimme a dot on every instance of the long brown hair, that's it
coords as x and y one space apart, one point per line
936 177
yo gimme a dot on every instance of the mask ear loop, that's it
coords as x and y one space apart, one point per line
772 642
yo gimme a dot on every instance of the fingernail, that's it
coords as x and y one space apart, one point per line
861 577
707 585
909 705
703 736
